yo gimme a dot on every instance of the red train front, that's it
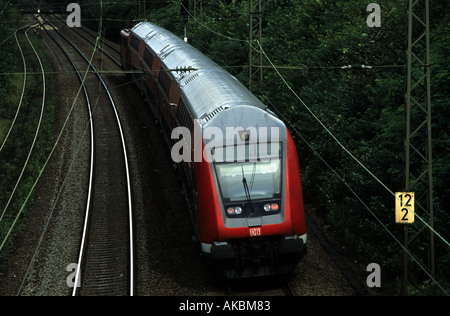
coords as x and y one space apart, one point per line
250 216
237 160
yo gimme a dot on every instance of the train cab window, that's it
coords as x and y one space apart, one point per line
261 180
249 172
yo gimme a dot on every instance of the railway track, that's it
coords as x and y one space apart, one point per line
108 49
38 127
113 53
106 260
23 90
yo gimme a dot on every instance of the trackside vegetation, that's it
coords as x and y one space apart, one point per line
17 146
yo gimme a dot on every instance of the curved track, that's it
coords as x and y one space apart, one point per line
107 49
23 90
38 124
105 265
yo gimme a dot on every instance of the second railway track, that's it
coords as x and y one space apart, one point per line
105 264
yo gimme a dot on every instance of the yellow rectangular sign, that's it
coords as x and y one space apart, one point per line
404 207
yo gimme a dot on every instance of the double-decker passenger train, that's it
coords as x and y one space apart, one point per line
246 200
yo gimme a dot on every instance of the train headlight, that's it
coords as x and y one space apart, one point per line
234 211
271 207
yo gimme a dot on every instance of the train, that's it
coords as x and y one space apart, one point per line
237 160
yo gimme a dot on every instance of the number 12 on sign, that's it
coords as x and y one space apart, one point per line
404 207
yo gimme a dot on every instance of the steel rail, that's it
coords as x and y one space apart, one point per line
130 249
91 168
130 208
23 90
89 41
37 129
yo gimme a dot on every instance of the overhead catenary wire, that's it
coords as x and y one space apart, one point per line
208 28
284 67
23 25
342 145
4 8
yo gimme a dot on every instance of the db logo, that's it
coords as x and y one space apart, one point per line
254 232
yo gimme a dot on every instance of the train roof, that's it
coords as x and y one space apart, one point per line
207 90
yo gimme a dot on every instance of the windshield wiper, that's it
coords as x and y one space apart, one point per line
247 191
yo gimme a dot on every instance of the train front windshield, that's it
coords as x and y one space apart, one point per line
260 179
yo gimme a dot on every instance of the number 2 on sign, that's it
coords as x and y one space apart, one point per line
404 207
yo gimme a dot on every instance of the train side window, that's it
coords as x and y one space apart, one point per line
186 117
165 80
181 111
183 115
148 57
135 42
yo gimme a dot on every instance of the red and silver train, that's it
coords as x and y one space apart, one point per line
246 202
